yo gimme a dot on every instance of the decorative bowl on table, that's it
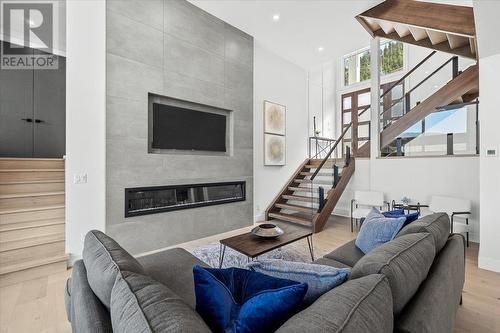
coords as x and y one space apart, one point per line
267 230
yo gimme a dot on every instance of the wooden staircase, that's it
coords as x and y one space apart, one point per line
32 219
298 201
441 27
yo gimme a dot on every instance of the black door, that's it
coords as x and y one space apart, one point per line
33 111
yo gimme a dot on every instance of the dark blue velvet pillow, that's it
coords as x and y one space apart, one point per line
240 300
400 213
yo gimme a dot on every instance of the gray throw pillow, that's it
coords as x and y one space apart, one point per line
319 278
405 261
104 259
140 304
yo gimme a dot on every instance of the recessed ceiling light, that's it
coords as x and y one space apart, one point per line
320 49
276 17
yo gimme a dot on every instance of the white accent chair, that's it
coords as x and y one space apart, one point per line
456 208
363 203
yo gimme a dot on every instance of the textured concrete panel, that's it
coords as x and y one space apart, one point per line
192 61
192 89
134 40
188 23
202 60
130 79
239 46
148 12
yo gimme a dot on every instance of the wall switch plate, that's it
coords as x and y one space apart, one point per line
80 178
491 152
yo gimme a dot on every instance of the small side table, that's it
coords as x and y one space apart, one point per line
407 207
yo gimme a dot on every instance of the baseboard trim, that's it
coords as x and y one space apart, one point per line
488 263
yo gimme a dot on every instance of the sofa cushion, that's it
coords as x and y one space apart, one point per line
319 278
405 261
361 305
434 306
330 262
140 304
85 311
173 268
104 259
348 254
438 225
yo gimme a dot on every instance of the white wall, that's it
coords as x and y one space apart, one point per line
487 27
322 99
418 179
280 81
85 120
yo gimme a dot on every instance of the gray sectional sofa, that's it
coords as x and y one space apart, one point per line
410 284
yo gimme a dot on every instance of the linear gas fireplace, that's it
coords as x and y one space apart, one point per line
157 199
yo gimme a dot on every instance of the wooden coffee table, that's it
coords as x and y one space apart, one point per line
253 246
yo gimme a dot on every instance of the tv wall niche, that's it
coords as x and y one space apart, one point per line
182 127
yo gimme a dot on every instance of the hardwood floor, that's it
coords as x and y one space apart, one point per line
38 305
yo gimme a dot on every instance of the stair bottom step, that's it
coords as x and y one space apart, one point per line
35 272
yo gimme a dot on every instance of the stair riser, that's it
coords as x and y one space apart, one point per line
42 251
32 273
31 188
25 176
57 213
31 202
6 163
12 235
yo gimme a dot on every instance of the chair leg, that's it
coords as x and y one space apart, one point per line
352 225
467 234
461 300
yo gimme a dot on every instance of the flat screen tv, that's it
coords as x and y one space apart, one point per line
186 129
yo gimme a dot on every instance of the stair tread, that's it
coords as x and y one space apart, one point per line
297 197
32 263
32 209
32 170
319 174
32 241
315 181
291 218
294 207
30 224
33 194
18 182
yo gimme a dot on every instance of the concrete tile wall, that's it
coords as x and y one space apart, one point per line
174 49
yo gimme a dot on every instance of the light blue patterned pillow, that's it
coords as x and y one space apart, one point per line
319 278
377 230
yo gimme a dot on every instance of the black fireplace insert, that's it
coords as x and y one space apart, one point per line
157 199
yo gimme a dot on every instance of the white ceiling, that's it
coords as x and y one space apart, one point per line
304 25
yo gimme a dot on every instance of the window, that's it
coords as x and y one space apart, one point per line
357 65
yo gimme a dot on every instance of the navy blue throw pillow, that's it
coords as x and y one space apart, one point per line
400 213
240 300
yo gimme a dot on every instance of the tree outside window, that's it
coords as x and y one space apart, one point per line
357 65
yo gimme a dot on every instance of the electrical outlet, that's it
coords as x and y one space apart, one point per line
80 178
491 152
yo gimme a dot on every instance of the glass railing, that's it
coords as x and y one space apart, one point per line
450 130
402 98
